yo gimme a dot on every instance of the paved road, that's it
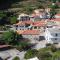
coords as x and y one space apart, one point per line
12 53
19 54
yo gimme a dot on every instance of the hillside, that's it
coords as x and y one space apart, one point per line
4 4
26 6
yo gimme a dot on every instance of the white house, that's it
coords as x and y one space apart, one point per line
32 35
50 23
23 17
23 25
52 35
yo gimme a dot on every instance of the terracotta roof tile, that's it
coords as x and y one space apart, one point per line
24 22
57 19
39 23
29 32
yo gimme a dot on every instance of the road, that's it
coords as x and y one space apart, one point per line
12 53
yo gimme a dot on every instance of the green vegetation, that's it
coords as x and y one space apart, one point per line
13 19
31 53
52 13
54 1
56 55
16 40
48 53
23 46
10 37
7 18
54 6
16 58
2 14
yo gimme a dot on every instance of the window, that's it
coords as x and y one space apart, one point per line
55 38
56 34
35 27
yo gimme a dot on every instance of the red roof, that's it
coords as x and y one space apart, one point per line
28 32
24 22
39 23
36 23
57 19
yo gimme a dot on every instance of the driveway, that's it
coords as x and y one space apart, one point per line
40 44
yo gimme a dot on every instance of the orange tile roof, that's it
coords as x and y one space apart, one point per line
39 23
57 19
20 23
20 31
36 23
24 22
29 32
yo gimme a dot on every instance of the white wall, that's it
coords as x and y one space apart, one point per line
31 37
50 37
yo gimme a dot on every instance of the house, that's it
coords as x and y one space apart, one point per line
50 23
29 25
57 16
56 20
52 35
23 17
35 58
30 34
22 25
39 25
40 14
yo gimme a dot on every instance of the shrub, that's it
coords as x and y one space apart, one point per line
16 58
53 48
44 56
24 46
31 53
48 44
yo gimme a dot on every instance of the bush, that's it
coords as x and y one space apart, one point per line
30 54
44 56
16 58
48 44
24 46
19 48
13 19
53 48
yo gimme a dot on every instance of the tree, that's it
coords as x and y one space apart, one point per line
13 19
44 54
11 37
30 54
28 9
52 13
55 6
54 1
16 58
